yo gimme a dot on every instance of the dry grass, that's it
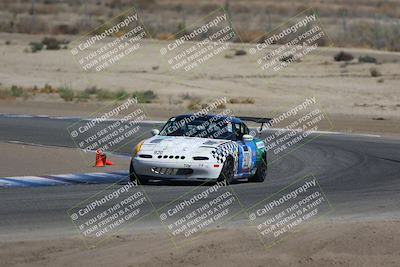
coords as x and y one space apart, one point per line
343 56
195 104
246 100
375 72
68 95
349 22
165 36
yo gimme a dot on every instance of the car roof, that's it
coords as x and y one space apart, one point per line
208 116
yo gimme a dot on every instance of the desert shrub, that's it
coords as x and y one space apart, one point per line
194 104
286 58
103 94
65 29
367 59
174 101
48 89
121 95
181 26
247 100
187 96
8 42
165 36
234 101
51 43
375 72
35 46
203 105
35 89
16 91
221 106
82 96
240 52
66 94
343 56
145 96
91 90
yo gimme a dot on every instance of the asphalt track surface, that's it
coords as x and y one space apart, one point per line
360 176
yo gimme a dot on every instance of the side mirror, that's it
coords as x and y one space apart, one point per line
155 132
247 137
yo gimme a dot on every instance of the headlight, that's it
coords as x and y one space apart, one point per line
138 147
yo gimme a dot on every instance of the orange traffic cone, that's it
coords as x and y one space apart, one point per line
105 161
103 158
99 159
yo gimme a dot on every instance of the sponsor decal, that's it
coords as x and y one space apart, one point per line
260 145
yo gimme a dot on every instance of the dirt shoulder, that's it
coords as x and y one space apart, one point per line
22 160
354 99
372 243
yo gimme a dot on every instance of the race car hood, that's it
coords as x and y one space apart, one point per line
179 146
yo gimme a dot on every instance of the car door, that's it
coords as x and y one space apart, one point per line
247 151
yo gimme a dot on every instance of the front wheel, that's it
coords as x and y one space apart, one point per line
227 172
134 177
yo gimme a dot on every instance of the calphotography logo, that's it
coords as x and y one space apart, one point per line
199 43
102 48
110 129
109 211
293 128
198 211
290 42
287 210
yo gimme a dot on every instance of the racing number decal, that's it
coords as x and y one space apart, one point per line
246 163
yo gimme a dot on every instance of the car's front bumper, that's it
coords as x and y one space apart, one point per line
177 170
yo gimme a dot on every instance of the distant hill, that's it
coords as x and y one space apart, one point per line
358 23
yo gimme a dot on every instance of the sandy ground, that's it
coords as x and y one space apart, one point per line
345 90
20 160
328 243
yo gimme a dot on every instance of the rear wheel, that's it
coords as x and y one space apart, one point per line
260 175
136 178
227 172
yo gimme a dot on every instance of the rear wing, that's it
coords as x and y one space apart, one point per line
256 119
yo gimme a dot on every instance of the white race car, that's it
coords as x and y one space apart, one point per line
202 148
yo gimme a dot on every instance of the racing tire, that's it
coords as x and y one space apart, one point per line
227 172
133 177
260 175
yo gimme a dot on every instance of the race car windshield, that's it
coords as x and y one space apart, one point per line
204 128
